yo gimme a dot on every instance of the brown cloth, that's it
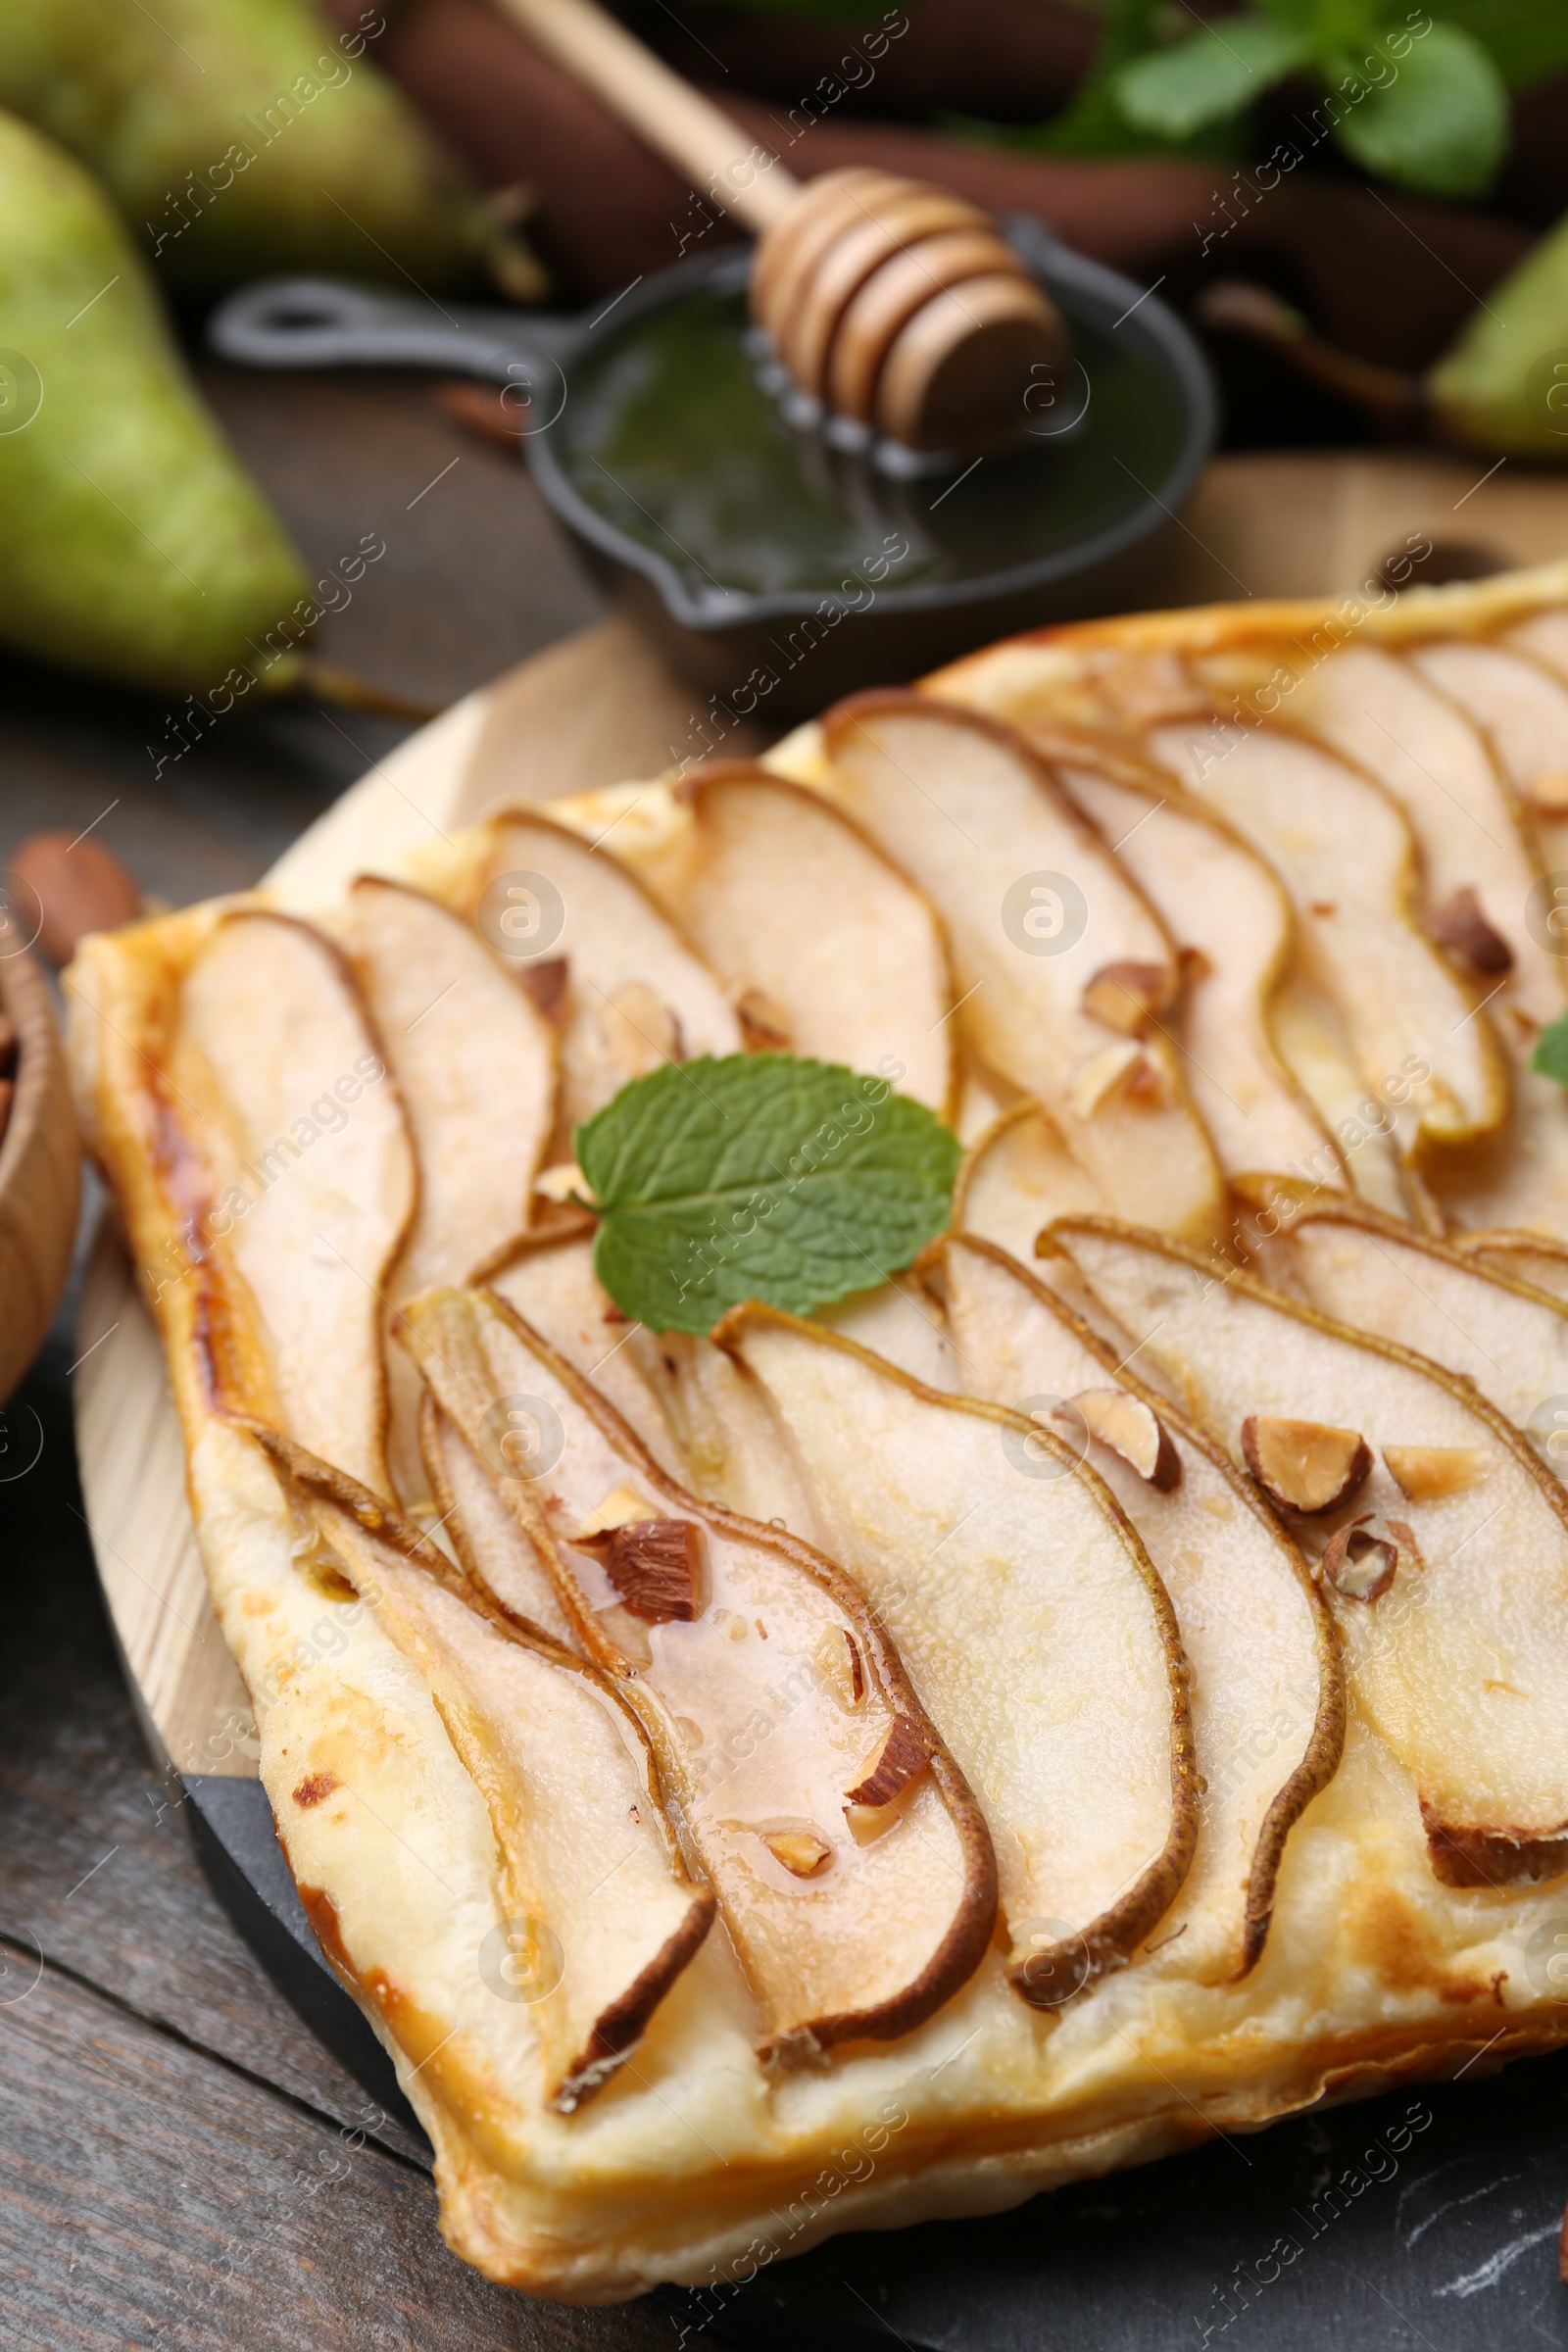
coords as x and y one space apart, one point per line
1386 274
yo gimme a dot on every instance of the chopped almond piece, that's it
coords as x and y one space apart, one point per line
905 1752
1423 1473
1304 1465
803 1852
1132 1429
544 985
1126 997
620 1506
655 1565
1459 926
1358 1565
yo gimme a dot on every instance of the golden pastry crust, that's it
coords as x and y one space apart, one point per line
695 2163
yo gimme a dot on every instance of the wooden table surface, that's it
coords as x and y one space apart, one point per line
180 2164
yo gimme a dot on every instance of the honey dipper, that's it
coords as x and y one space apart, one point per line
895 304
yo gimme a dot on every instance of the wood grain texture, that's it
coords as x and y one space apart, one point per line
156 2199
39 1165
96 1867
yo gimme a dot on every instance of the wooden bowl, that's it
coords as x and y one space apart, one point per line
40 1173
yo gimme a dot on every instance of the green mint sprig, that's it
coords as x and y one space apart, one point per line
1550 1056
759 1176
1418 95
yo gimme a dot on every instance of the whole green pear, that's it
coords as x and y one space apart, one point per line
244 137
1504 384
134 545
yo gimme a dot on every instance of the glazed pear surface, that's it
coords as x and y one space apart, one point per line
1104 1683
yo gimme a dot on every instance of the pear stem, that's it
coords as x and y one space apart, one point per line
1395 401
330 684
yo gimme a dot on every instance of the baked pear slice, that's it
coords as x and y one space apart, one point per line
490 1548
1016 1177
826 949
1521 1256
1231 917
627 991
1345 854
1416 725
1033 1624
1066 978
475 1061
1508 1339
1450 1599
309 1183
681 1395
1521 706
1267 1696
852 1863
590 1875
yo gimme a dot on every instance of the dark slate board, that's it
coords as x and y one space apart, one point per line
1425 2218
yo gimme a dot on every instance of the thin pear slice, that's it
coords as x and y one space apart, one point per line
972 813
852 1863
1510 1340
1267 1698
680 1393
1392 718
1309 1030
1460 1663
474 1062
634 993
1033 1624
313 1177
1543 636
1218 898
826 948
1522 1256
590 1877
1345 854
494 1553
1521 706
1016 1177
1413 723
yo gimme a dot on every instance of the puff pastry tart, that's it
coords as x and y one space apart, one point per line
1106 1686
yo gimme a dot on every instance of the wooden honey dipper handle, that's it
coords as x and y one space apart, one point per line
894 305
698 138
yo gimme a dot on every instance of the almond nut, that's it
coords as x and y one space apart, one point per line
803 1852
1424 1473
653 1565
1359 1566
1304 1465
544 984
1132 1429
1459 926
1126 997
906 1751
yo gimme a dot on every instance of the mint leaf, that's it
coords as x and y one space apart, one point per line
1550 1056
1211 75
1440 126
759 1176
1526 39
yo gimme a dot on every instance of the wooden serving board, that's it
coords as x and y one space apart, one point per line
596 708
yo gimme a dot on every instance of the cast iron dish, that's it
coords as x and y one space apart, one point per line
744 542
